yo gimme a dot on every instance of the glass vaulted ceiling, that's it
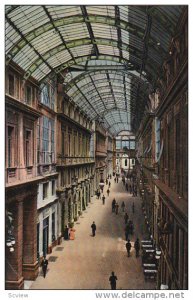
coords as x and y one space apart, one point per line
109 56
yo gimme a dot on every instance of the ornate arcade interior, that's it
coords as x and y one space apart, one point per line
96 96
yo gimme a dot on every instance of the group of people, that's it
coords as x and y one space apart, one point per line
136 246
115 206
69 233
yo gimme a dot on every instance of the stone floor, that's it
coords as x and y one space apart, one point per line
87 262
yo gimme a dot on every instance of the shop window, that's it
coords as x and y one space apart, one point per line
28 148
45 190
10 146
53 227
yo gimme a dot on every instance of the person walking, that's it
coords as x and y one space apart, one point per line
127 232
113 280
123 206
44 265
116 208
113 205
133 207
103 199
137 247
106 181
72 234
109 184
66 233
131 227
128 247
126 218
93 226
130 189
108 192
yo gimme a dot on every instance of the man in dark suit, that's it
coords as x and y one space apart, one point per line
44 265
93 226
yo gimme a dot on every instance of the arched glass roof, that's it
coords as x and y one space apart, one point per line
108 55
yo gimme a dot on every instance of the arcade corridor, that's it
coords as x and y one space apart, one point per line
87 262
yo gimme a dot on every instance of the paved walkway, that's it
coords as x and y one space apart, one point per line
87 262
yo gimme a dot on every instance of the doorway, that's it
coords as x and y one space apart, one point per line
45 235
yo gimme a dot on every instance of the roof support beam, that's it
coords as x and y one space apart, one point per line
111 88
117 22
97 91
89 27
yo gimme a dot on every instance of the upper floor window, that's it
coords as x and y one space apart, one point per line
53 187
45 190
10 146
48 141
48 94
13 85
28 148
157 137
29 94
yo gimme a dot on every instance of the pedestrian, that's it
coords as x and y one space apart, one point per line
133 207
128 247
106 181
44 265
113 205
116 208
126 232
72 234
99 194
126 217
131 227
137 247
126 186
108 192
130 189
66 233
93 226
103 199
113 280
109 184
123 206
117 179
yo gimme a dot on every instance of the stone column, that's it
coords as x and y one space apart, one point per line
30 263
13 260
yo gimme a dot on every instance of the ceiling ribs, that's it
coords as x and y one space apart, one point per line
29 44
57 30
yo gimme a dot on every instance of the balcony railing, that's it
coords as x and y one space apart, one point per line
73 160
